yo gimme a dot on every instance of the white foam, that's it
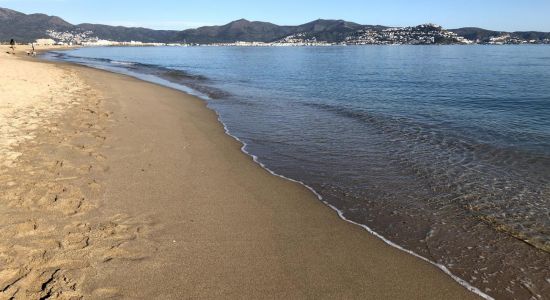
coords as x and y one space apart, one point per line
124 63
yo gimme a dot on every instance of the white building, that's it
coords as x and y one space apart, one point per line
44 42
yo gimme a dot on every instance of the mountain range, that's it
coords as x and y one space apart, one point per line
29 27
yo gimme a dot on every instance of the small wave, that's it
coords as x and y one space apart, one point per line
447 161
124 63
179 74
196 82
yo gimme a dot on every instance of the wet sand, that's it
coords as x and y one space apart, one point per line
131 190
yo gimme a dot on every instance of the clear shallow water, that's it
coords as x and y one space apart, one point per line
442 149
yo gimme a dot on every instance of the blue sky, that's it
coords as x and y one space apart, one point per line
509 15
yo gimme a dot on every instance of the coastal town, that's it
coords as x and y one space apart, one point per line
426 34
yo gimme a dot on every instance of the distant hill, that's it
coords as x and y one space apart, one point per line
120 33
329 30
484 35
474 33
247 31
29 27
240 30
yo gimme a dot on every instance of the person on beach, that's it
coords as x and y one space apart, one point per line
12 46
31 53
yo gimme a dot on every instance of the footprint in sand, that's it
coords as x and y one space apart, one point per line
49 239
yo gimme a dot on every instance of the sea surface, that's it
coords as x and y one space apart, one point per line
444 150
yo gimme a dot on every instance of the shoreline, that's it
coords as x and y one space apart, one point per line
339 213
159 81
369 230
119 98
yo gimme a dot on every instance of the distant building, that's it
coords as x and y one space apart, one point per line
44 42
99 43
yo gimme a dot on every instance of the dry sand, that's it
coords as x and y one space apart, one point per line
116 188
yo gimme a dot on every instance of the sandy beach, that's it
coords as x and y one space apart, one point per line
117 188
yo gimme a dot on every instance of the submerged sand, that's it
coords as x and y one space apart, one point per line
116 188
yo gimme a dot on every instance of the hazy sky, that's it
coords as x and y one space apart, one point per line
509 15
